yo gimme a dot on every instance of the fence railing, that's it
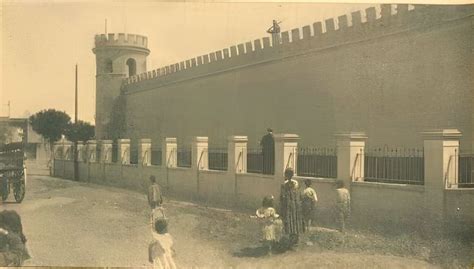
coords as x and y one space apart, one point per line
217 158
317 162
156 156
466 170
133 156
254 161
184 157
402 166
115 153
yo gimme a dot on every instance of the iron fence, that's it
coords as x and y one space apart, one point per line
114 152
401 166
156 156
133 156
255 161
184 157
466 170
317 162
217 158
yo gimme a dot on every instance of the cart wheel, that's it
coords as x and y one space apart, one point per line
5 189
19 191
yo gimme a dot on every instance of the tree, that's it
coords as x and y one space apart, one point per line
5 133
50 124
80 131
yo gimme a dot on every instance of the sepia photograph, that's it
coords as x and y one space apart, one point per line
236 134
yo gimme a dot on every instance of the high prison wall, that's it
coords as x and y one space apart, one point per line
390 76
398 207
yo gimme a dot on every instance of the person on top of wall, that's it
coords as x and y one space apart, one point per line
155 199
290 208
268 151
343 205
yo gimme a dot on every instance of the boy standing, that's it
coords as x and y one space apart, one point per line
309 199
343 205
154 194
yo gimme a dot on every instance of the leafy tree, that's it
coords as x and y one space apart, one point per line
5 133
50 124
80 131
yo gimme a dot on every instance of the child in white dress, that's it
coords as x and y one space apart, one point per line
272 225
161 250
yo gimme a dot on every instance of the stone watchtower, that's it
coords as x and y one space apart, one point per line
118 56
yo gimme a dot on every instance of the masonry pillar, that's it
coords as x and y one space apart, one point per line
441 169
286 151
91 151
106 151
237 154
80 151
144 151
169 152
123 151
58 150
67 149
350 157
199 153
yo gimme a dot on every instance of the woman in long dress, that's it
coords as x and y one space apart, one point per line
290 208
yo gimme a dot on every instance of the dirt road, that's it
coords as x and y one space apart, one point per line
78 224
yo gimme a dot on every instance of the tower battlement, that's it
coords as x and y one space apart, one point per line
121 39
362 25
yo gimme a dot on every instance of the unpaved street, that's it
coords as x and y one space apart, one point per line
78 224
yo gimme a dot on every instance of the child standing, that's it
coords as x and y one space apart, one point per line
309 199
343 206
272 225
161 249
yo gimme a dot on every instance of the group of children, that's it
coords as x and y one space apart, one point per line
273 226
161 250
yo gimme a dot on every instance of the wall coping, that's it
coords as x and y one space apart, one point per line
171 140
316 179
286 137
255 175
442 134
182 168
201 139
378 185
237 138
212 172
351 136
465 190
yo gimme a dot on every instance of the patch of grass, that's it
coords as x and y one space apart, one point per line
446 252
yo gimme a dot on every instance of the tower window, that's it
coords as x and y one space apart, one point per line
132 67
109 67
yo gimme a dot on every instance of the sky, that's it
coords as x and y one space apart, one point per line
42 41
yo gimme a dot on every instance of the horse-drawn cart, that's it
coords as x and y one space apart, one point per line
12 171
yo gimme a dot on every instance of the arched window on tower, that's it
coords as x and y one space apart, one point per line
132 67
108 66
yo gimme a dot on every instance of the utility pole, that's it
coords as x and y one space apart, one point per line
76 164
75 105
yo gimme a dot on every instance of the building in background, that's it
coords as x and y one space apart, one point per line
391 75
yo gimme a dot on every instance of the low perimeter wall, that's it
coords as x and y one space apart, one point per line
380 206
